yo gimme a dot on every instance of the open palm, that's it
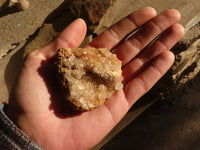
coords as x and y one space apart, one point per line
38 107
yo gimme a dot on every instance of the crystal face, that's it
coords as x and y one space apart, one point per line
88 76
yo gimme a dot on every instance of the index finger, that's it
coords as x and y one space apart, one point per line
117 32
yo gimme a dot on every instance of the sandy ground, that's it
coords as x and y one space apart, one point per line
173 125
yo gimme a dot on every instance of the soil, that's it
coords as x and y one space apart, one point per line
168 124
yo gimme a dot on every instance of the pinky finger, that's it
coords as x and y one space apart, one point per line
138 86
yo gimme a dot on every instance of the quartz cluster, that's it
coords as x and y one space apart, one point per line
88 76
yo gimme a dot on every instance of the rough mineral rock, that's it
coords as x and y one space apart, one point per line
88 76
91 10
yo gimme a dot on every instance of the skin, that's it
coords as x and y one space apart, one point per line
38 107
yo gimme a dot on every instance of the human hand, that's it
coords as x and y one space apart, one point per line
38 107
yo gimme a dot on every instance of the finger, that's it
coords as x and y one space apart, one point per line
111 37
144 81
118 105
165 42
132 47
71 36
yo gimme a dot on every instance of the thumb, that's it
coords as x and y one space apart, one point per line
71 36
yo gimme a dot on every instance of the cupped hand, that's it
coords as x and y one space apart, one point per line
38 107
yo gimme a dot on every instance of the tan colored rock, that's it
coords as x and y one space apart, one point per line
93 9
20 4
88 76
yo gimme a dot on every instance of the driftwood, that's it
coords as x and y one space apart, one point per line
99 15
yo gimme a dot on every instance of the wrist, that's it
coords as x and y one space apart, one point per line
10 136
